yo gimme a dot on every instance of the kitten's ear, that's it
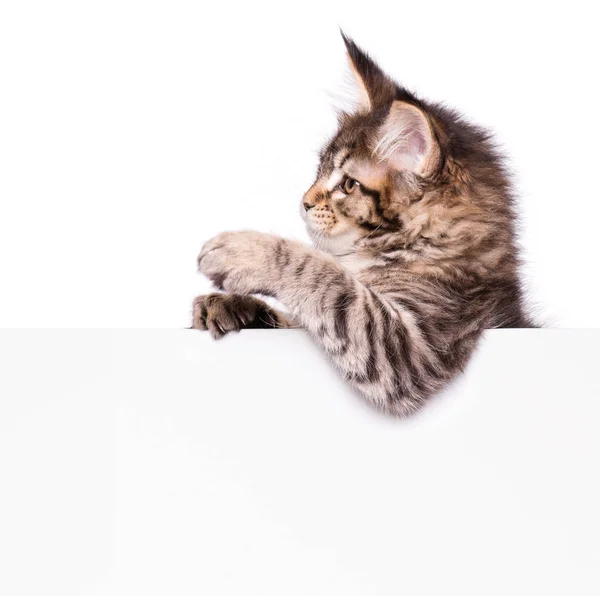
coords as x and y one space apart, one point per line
375 88
406 140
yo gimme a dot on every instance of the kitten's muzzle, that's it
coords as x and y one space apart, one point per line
312 197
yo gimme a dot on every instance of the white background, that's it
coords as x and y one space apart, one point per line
136 462
131 132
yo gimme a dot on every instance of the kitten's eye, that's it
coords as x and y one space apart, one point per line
350 184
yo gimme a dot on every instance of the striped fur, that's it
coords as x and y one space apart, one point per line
412 219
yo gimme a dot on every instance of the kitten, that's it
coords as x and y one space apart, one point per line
413 221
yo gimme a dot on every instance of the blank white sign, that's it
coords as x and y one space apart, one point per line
161 462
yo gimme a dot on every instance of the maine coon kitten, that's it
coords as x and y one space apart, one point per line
412 216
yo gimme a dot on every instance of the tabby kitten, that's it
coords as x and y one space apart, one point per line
412 217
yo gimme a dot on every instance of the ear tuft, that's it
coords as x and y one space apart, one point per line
405 139
374 87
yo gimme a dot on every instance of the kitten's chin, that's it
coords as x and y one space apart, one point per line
338 244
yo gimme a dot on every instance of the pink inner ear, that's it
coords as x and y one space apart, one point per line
405 137
418 144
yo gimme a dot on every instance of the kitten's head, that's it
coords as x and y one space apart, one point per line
388 161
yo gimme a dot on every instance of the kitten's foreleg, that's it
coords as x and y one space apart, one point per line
377 344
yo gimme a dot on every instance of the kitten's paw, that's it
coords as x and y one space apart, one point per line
221 313
217 314
239 261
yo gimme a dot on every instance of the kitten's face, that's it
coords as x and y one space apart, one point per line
374 167
345 202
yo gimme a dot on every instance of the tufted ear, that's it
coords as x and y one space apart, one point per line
374 87
406 141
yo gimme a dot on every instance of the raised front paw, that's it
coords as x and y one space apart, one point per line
221 313
240 261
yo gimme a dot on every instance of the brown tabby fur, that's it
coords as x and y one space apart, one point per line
413 260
